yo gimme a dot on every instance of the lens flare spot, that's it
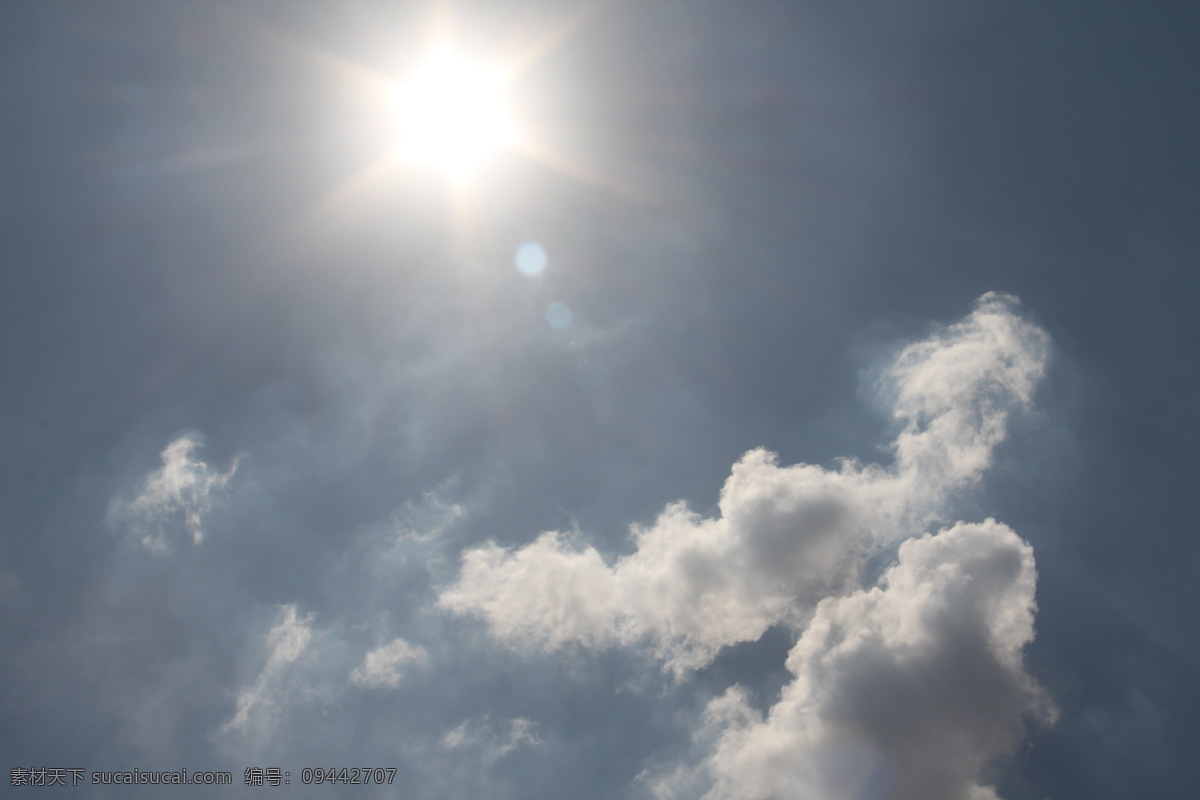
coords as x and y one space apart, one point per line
530 259
558 315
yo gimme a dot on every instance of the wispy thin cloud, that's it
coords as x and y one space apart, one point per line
180 492
492 739
286 642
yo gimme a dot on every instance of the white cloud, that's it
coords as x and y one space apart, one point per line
916 683
953 392
545 592
180 490
786 537
382 666
905 690
286 642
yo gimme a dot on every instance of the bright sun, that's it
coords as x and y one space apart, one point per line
452 114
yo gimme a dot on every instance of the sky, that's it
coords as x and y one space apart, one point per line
799 407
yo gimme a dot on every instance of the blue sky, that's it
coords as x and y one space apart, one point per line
804 410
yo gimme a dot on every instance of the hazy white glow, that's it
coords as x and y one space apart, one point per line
452 113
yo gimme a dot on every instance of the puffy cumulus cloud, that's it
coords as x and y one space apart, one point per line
382 667
786 537
493 740
180 490
906 690
953 392
286 641
546 593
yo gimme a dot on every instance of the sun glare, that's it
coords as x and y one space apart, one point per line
452 114
449 114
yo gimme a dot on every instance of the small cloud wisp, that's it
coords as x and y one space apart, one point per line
181 488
